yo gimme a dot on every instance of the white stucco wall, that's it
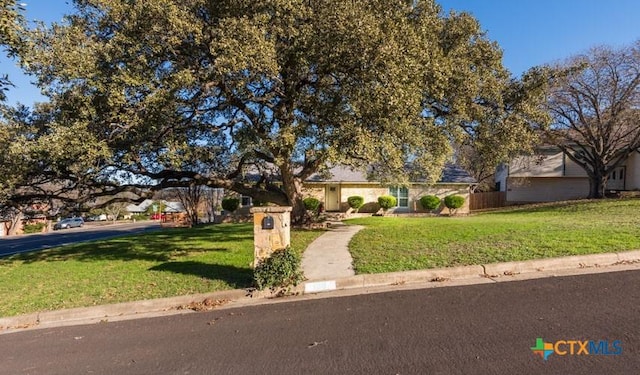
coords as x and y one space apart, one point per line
571 169
549 164
500 178
546 189
633 172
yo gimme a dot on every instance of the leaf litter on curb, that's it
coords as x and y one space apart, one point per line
205 305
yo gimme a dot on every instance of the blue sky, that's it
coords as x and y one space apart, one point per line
530 32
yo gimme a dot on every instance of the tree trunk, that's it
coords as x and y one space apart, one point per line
299 212
597 184
292 187
193 217
14 224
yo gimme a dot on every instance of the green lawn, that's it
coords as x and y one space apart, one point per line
160 264
395 244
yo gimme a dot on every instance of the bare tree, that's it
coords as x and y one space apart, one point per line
212 201
190 198
11 218
595 105
114 210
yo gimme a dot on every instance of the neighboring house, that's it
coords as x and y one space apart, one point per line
167 207
34 214
140 208
551 176
342 182
5 224
173 207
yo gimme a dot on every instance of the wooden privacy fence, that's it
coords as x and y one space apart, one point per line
493 199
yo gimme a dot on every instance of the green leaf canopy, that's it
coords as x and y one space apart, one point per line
255 96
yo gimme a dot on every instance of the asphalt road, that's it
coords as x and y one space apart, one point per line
480 329
90 232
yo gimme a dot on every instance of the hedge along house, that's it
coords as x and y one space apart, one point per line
342 182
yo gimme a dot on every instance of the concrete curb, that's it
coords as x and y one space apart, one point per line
113 312
241 297
554 264
417 276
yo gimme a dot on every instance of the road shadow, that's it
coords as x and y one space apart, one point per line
234 276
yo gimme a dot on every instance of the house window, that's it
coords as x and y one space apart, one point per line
246 201
401 194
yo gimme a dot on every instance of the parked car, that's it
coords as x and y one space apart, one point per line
72 222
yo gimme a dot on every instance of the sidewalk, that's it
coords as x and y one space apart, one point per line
328 257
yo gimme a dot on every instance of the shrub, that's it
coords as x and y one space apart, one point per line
355 202
430 202
387 201
259 203
34 228
311 204
453 202
279 272
230 204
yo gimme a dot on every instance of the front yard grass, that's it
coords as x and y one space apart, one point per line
390 244
160 264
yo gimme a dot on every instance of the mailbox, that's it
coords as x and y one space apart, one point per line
267 222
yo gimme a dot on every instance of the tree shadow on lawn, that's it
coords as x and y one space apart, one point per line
234 276
159 246
221 232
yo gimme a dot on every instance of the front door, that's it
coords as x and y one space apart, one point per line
332 198
616 179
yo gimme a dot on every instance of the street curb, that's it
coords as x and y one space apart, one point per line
554 264
136 307
416 276
117 311
183 304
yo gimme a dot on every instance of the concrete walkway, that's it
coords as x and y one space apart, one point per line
328 257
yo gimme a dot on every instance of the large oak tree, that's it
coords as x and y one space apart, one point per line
11 168
257 96
11 23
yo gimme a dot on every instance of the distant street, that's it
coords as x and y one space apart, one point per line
480 329
90 232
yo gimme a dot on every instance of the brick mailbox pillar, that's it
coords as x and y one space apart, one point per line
271 230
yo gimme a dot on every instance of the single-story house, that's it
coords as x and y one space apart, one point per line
173 207
140 208
167 207
550 176
34 214
341 182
